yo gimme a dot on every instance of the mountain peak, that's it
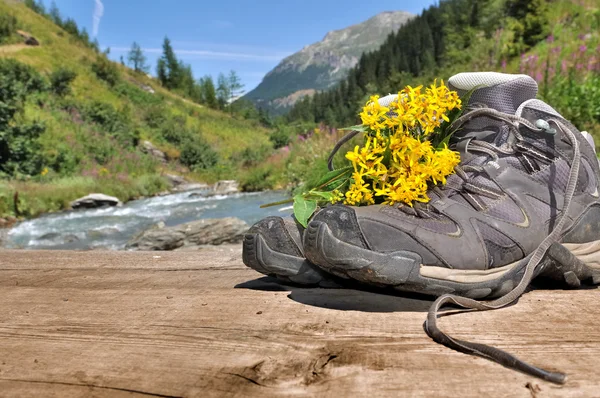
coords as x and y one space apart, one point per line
321 65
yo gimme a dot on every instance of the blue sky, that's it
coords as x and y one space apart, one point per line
250 37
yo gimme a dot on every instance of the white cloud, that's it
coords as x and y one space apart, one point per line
209 54
98 13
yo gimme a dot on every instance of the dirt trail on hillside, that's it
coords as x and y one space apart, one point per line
12 48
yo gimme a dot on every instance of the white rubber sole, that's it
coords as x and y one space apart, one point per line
588 253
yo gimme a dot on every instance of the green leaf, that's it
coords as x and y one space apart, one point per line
333 176
304 209
359 127
444 134
321 195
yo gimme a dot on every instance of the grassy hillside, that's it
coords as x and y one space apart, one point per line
88 138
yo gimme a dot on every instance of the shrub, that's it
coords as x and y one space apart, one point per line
22 76
63 158
258 179
578 101
252 157
197 154
20 149
60 81
113 121
279 138
19 146
173 133
103 114
137 96
155 116
8 26
106 70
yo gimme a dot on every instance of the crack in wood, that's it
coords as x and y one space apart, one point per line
246 378
150 394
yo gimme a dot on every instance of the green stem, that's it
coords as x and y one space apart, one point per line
281 202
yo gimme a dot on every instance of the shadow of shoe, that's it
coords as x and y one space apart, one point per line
361 300
266 283
354 298
542 283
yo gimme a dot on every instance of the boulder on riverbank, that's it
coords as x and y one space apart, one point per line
226 187
175 180
95 200
196 186
212 231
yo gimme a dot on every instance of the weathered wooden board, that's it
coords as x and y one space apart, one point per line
102 324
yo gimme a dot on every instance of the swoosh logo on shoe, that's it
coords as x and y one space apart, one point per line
458 231
525 223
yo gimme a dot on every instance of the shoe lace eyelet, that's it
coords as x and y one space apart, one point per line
545 126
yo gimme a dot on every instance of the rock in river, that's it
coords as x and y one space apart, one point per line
212 231
95 200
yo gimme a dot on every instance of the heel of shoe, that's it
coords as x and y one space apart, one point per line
589 254
574 264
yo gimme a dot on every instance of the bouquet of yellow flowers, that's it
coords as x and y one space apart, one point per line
405 151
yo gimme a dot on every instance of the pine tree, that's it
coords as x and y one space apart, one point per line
71 27
186 80
37 6
161 72
54 14
223 93
172 66
236 87
136 59
209 94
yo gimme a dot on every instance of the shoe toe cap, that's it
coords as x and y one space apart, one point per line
279 235
343 223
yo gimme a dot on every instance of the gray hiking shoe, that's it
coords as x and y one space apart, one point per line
273 246
478 233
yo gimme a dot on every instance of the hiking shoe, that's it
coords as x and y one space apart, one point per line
478 233
273 246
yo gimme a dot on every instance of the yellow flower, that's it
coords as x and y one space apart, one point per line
336 196
44 172
427 110
397 163
373 114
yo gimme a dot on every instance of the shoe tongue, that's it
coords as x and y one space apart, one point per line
499 91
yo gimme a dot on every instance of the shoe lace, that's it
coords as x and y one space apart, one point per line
482 350
466 172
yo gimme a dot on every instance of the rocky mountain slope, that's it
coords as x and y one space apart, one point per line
321 65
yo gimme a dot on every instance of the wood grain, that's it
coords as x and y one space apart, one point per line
200 324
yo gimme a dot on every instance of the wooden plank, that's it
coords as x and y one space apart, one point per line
187 324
